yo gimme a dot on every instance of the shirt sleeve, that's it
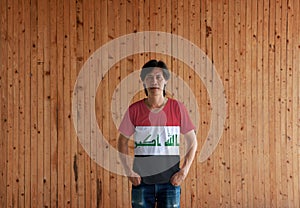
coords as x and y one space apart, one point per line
186 123
126 127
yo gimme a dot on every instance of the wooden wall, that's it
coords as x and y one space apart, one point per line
255 46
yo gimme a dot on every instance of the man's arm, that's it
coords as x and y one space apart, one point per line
123 150
192 144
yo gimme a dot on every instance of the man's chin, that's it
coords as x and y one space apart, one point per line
154 90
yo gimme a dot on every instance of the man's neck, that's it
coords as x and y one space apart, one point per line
155 102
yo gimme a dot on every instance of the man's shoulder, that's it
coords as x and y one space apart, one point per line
174 102
137 104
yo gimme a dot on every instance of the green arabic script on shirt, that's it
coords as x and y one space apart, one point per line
171 142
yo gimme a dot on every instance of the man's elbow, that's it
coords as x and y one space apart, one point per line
122 142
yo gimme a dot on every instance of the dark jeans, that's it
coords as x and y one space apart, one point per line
165 195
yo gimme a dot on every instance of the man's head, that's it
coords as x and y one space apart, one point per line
155 75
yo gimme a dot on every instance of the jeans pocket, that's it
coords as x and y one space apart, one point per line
137 197
143 196
169 196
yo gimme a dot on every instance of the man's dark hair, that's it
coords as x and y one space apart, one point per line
149 66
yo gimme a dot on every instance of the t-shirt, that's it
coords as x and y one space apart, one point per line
156 138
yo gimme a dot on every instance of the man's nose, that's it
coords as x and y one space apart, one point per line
155 80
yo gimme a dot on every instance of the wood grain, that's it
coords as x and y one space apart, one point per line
254 45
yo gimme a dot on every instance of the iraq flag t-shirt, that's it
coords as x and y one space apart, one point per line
156 138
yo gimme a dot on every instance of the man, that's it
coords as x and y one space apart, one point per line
156 123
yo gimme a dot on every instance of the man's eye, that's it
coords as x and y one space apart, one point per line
150 77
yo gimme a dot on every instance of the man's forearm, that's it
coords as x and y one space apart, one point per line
123 153
192 148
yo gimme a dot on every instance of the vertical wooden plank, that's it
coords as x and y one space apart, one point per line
53 103
33 106
125 183
92 24
21 51
219 60
113 54
209 54
283 104
226 187
102 186
238 144
3 104
192 84
277 102
67 104
27 61
45 180
105 115
16 102
208 12
248 69
16 70
10 105
129 60
202 196
87 108
190 79
89 19
271 84
289 100
112 34
259 110
265 104
99 33
73 73
98 169
254 104
242 104
60 106
214 30
111 27
231 99
123 198
78 164
185 96
40 100
105 104
197 93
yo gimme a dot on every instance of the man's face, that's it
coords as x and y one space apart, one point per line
155 81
